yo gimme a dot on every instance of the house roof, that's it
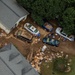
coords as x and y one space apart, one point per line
4 70
10 13
13 63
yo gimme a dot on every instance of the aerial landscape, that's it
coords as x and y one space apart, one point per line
37 37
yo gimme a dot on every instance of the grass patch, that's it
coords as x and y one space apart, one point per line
47 68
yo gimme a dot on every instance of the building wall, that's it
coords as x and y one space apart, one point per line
4 28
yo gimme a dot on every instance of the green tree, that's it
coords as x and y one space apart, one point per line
68 22
60 65
27 4
37 19
51 9
48 9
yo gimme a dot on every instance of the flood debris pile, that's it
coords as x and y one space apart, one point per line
44 56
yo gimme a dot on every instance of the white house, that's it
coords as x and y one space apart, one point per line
10 14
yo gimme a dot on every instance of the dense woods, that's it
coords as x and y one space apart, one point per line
62 10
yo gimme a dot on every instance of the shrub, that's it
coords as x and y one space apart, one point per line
60 64
37 19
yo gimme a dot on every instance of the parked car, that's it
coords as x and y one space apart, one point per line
61 33
48 26
51 41
24 39
31 29
20 35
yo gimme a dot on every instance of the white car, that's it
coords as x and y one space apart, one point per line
31 29
59 31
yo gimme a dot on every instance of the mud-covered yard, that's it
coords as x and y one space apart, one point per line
30 50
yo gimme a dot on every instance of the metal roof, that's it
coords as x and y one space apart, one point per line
4 69
10 13
13 63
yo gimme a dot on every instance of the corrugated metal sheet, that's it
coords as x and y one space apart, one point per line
17 66
10 13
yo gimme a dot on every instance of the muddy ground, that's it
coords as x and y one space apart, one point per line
26 48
